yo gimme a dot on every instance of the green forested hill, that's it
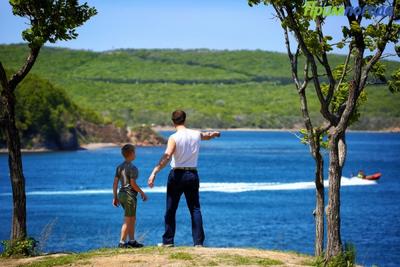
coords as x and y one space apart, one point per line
46 116
217 88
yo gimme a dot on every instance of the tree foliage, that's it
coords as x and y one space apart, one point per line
44 112
50 20
375 35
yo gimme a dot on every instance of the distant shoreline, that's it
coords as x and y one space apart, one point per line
89 146
94 146
170 128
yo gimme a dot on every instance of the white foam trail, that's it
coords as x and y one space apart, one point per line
215 187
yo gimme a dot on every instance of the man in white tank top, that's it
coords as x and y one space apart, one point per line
183 147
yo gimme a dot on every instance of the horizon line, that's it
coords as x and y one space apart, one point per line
389 58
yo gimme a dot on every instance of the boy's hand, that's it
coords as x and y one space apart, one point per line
115 202
144 196
151 180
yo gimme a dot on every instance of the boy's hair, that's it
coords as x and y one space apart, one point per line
178 117
126 149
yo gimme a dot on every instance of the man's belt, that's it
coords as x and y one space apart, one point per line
185 168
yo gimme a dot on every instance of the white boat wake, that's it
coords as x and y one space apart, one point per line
214 187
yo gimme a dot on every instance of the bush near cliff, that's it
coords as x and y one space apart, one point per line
145 136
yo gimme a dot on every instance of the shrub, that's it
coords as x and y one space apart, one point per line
23 247
345 259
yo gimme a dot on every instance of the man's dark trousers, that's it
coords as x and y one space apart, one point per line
186 182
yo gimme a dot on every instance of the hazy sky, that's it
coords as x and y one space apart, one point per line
215 24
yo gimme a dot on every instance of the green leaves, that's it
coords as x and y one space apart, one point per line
374 35
254 2
19 248
394 83
378 71
51 20
322 139
355 27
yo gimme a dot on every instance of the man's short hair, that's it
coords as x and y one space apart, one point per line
178 117
126 149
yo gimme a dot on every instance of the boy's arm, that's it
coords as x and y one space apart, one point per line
115 188
209 135
137 189
163 161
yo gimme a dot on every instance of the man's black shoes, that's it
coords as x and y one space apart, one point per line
130 244
134 244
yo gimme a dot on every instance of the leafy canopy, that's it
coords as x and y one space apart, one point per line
364 31
51 20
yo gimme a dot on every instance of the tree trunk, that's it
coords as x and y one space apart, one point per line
334 242
320 204
18 230
319 175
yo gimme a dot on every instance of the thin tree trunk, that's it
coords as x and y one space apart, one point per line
334 242
18 230
320 204
319 175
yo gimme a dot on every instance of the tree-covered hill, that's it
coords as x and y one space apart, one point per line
217 88
47 118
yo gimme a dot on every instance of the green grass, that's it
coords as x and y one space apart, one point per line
241 260
211 263
82 257
56 261
217 88
181 256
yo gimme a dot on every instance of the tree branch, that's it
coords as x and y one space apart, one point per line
324 107
325 63
20 75
306 79
300 87
358 81
346 63
292 58
382 47
363 75
3 77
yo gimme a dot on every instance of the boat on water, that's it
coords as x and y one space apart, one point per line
374 176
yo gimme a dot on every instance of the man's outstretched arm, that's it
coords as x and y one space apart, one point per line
163 161
209 135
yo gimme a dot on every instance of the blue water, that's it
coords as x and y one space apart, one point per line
58 183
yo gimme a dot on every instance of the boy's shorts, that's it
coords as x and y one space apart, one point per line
128 203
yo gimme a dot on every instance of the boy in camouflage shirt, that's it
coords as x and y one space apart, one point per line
126 174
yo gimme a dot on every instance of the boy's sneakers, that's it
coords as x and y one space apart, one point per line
165 245
134 244
122 245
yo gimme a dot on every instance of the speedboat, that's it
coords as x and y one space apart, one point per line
374 176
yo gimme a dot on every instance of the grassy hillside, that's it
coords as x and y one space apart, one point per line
217 88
